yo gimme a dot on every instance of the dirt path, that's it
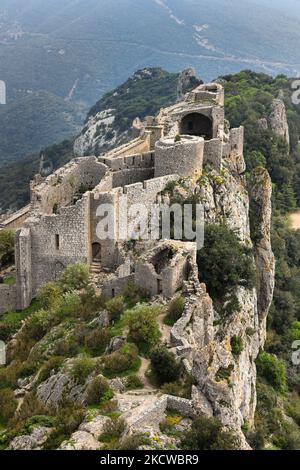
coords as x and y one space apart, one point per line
295 219
164 329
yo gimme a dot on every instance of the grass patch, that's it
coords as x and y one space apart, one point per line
11 322
10 281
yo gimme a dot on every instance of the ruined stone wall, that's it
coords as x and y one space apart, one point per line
139 160
145 193
60 240
23 256
184 157
15 220
108 247
116 286
8 298
60 188
213 153
127 177
141 144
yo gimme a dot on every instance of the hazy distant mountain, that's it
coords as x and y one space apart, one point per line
79 49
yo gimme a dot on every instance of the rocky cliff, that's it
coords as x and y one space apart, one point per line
226 381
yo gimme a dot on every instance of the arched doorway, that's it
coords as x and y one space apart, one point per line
197 124
96 251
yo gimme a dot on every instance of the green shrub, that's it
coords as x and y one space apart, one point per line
164 365
134 294
98 391
237 345
143 327
178 389
81 369
115 308
208 434
97 341
75 277
90 303
66 347
133 382
50 296
39 420
175 311
8 405
272 370
51 366
70 306
132 442
224 262
7 247
69 416
124 360
224 373
168 425
113 430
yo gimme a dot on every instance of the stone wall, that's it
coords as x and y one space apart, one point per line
213 153
8 298
116 286
184 157
60 188
145 160
15 220
59 240
23 256
141 144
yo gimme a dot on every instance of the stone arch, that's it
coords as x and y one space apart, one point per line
197 124
96 251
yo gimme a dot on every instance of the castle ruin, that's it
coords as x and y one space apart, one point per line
59 227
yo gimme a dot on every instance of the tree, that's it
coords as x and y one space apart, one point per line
224 262
164 365
272 370
208 434
143 327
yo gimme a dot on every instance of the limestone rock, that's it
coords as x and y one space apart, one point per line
116 343
102 320
60 386
278 120
117 385
33 441
81 440
95 426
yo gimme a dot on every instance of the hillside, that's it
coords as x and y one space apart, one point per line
78 50
34 122
63 325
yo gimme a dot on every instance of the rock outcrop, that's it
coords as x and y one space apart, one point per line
278 120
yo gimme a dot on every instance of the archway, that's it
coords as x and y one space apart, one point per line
197 124
96 251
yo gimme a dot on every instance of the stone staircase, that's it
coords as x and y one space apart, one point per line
95 267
